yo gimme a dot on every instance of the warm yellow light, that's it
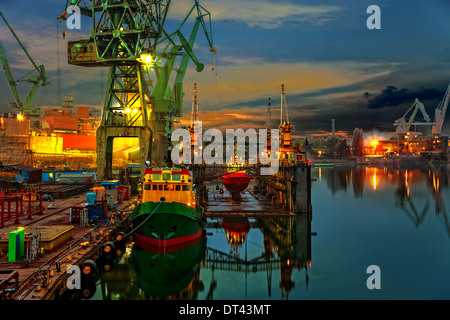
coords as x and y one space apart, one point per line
135 111
19 117
374 142
146 59
127 110
374 183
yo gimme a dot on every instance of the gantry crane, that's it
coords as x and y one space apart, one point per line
439 113
38 80
147 66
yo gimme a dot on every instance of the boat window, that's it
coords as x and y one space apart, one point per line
177 187
156 177
166 187
176 177
160 187
147 186
166 176
155 187
186 187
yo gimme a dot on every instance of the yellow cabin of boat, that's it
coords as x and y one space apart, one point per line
173 184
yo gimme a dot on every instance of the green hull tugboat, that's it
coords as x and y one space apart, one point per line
168 215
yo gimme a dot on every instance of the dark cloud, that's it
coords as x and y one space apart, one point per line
392 96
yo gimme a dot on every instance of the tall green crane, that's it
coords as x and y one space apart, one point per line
147 65
37 80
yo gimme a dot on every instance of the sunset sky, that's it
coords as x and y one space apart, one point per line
331 64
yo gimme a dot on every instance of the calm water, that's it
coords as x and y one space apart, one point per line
395 219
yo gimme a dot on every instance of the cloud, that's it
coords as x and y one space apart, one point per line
392 96
262 14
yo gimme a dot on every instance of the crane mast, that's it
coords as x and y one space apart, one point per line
439 115
194 114
285 126
268 124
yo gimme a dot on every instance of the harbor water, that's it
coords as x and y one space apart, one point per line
392 218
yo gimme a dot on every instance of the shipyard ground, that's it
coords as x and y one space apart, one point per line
68 243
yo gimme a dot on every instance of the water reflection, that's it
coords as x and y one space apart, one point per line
169 273
271 258
378 179
286 247
150 273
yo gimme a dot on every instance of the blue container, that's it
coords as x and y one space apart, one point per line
91 197
110 185
96 212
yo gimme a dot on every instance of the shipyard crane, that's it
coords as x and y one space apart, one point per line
147 66
439 113
38 80
194 113
285 126
403 124
268 124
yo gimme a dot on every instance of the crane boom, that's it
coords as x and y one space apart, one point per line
403 125
439 113
37 80
9 77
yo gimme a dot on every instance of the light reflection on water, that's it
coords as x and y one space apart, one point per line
390 217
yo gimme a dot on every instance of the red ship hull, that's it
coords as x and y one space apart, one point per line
236 182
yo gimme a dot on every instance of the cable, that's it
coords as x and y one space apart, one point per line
126 235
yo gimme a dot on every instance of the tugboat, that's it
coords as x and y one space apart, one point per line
168 215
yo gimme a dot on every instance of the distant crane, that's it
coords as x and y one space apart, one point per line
268 124
194 118
285 126
38 80
439 114
403 124
194 114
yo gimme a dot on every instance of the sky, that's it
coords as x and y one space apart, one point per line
332 65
